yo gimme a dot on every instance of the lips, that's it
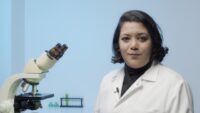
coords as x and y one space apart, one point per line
134 55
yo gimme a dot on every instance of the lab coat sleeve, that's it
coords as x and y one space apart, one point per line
180 99
96 108
98 99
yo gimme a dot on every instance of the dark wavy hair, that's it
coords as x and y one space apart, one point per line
158 51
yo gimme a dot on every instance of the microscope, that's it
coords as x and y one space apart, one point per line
34 71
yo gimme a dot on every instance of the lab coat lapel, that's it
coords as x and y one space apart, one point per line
117 81
133 88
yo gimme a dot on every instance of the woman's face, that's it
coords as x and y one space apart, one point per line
135 44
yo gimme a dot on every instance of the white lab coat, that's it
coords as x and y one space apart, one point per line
158 90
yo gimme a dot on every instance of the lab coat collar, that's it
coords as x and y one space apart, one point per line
150 76
152 73
117 80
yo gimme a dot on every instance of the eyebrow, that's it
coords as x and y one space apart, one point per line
142 33
124 34
137 34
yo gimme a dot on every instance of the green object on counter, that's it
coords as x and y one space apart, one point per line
50 104
66 99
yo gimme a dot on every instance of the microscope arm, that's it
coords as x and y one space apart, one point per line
37 66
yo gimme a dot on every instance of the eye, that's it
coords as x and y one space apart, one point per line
125 38
143 38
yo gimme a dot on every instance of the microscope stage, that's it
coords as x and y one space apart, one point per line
29 96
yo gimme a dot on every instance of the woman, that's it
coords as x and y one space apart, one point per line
143 85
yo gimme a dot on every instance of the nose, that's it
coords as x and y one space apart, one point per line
133 45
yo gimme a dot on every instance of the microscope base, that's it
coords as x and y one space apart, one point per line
28 101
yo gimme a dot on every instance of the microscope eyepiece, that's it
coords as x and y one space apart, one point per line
57 51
